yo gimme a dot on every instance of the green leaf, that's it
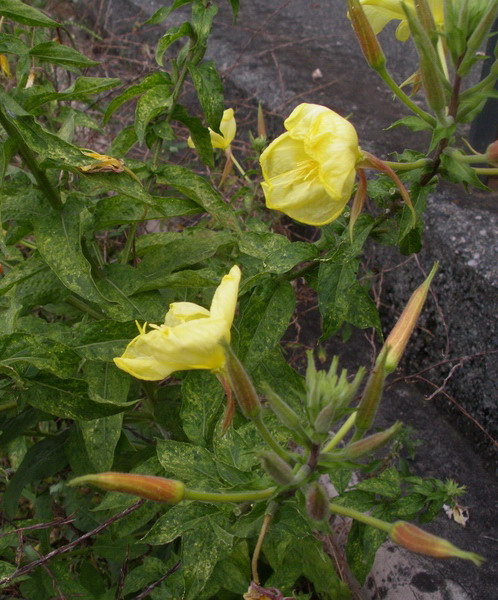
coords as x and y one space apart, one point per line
178 520
43 459
101 437
457 171
209 88
80 90
16 426
202 548
103 340
231 573
200 135
200 191
387 484
149 81
67 398
163 13
12 44
202 398
193 465
58 54
152 103
412 122
106 383
265 318
29 268
361 548
173 34
140 577
58 237
27 15
235 4
125 139
43 353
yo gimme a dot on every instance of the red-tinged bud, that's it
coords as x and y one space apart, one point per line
242 386
261 123
317 502
417 540
158 489
358 201
371 443
277 468
397 340
369 44
492 154
325 418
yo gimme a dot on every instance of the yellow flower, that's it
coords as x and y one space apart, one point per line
380 12
309 171
4 66
102 163
228 128
191 337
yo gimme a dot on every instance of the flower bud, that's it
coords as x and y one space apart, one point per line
282 410
154 488
398 338
325 418
241 385
492 153
317 502
372 395
369 44
417 540
371 443
261 123
277 468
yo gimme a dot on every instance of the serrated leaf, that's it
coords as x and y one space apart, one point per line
173 34
27 15
202 398
58 54
198 189
413 123
193 465
101 437
43 459
148 82
386 484
152 103
209 88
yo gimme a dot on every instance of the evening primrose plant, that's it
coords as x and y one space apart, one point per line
240 462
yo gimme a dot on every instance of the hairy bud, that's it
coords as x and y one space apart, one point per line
277 468
317 502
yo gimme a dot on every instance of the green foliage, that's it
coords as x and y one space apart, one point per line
80 264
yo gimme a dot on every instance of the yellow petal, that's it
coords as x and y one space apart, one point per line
228 128
225 300
180 312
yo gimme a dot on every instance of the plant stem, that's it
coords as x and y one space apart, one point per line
398 92
268 437
28 157
229 497
239 167
359 516
270 512
340 433
486 170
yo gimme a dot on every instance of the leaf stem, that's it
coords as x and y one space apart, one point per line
408 166
347 425
268 437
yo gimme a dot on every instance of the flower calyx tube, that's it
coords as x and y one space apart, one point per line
370 444
367 39
278 469
397 340
242 386
415 539
158 489
371 397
